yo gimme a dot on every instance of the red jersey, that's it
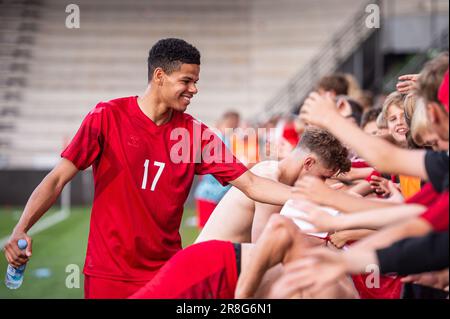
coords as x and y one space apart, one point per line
390 287
437 214
142 175
427 196
359 163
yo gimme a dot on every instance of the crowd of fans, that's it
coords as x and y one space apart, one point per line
393 202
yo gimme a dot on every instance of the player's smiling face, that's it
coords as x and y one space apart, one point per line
180 86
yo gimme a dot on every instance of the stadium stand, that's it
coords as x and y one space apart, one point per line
250 49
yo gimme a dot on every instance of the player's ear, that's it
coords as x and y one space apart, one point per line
158 76
344 107
309 163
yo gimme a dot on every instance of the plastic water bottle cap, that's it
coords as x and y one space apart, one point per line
22 243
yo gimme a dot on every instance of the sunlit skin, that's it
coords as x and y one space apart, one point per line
396 123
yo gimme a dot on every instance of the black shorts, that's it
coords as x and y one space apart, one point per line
238 252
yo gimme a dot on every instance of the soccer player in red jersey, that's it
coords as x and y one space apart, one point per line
144 152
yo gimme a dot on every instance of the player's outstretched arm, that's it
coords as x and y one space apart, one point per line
411 227
262 189
281 241
387 158
314 190
39 202
370 219
355 174
341 238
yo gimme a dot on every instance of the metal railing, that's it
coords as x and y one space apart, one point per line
330 57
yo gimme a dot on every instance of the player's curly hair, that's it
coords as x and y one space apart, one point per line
330 151
169 54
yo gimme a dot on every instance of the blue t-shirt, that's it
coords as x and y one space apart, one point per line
209 188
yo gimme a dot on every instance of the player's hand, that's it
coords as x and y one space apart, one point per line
313 189
13 254
319 110
380 185
407 83
321 221
436 279
339 239
396 195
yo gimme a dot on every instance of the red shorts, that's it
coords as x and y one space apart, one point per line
101 288
390 287
204 210
207 270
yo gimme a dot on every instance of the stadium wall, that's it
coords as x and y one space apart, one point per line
17 185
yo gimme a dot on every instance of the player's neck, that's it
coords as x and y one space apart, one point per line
289 170
151 106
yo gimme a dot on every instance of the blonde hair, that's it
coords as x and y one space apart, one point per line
395 98
419 123
381 122
431 77
409 105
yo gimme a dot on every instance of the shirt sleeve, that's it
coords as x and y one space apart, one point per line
427 196
436 165
415 255
437 214
217 159
87 144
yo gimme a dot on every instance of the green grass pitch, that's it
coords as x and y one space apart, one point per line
54 249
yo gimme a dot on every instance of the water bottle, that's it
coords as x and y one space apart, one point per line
14 276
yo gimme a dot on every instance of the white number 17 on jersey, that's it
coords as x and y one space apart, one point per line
157 176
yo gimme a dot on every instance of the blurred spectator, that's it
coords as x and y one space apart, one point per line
354 89
369 121
285 138
209 191
366 100
335 84
349 108
244 143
